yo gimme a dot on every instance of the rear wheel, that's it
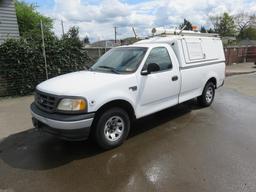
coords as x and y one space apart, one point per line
112 128
207 96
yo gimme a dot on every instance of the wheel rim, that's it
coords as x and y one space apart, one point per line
209 94
114 128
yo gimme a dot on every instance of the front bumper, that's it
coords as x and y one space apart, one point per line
67 126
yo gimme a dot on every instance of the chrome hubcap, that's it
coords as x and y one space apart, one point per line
114 128
209 94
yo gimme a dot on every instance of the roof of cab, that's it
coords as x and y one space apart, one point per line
166 39
148 45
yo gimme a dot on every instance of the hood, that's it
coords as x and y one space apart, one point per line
78 83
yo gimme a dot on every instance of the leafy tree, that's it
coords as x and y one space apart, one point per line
29 21
22 64
86 40
211 31
188 25
244 21
227 25
203 30
224 25
248 33
72 36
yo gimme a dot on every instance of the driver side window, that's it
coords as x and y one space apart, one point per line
159 56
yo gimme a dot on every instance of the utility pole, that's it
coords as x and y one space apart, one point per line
134 32
115 34
62 26
43 46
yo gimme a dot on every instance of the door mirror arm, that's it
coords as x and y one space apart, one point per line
152 67
145 72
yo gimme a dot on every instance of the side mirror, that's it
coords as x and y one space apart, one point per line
152 67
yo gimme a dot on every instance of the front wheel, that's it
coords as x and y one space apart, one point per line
207 96
112 128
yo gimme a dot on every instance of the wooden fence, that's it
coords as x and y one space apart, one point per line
241 54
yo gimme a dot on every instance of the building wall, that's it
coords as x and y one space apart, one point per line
8 20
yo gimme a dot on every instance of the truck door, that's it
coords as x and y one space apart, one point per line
159 89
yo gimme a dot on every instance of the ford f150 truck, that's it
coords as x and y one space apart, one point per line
127 83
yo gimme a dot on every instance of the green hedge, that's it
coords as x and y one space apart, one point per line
22 64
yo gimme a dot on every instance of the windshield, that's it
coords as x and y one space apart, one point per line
120 60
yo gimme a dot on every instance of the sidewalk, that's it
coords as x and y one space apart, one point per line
240 68
15 115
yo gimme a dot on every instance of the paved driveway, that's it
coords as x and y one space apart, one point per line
184 149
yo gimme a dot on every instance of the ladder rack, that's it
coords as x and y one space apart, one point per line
165 32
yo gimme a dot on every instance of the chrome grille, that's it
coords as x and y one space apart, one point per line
45 101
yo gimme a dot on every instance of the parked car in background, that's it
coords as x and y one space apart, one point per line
130 82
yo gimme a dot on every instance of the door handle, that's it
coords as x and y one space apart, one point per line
175 78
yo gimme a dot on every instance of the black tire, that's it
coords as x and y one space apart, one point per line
204 100
109 116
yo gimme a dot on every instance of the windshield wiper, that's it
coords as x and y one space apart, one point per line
112 69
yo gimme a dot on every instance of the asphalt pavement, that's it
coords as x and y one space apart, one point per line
183 149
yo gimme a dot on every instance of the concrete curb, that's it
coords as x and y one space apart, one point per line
238 73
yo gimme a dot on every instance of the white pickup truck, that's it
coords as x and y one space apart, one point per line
127 83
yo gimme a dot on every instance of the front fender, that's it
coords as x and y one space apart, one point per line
100 100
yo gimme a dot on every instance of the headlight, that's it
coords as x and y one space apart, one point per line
72 105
